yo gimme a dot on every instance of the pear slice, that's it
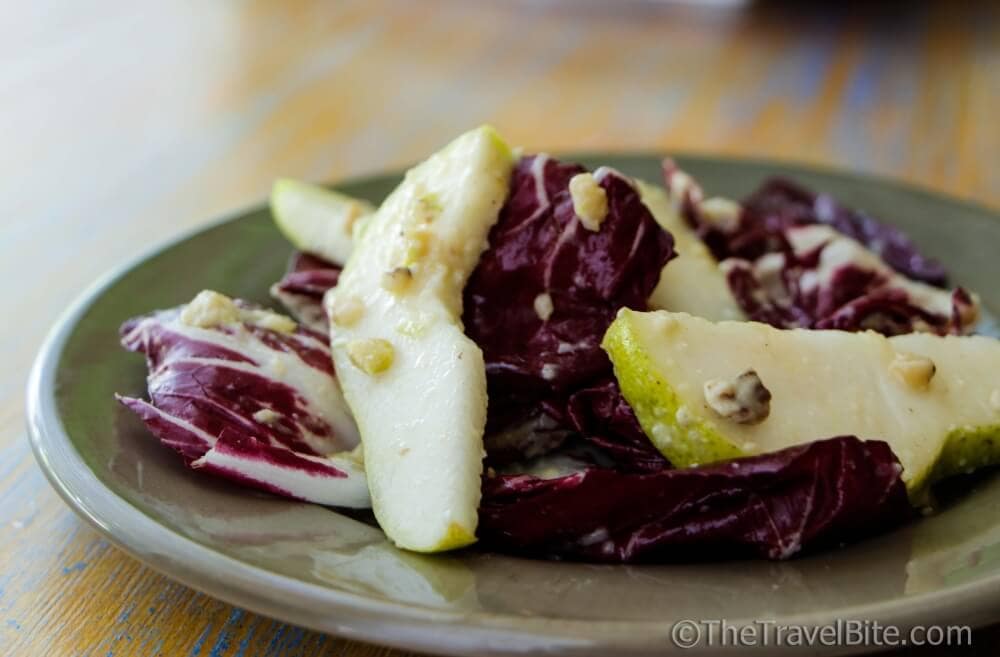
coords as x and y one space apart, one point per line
934 399
692 282
415 383
317 220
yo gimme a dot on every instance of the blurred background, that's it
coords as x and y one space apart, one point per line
127 123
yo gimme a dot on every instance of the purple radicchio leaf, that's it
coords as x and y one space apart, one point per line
250 403
332 481
824 280
771 506
797 259
302 288
517 431
603 418
545 291
547 288
780 203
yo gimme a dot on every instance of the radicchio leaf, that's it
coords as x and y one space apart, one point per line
781 203
547 288
544 293
824 280
319 479
771 506
604 419
251 403
302 288
797 259
518 431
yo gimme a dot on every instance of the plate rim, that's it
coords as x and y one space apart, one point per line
407 626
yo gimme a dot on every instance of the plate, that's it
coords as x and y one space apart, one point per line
332 572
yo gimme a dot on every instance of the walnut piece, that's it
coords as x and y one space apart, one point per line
418 243
743 400
721 213
268 320
210 309
543 306
266 416
397 280
346 310
371 356
913 370
590 201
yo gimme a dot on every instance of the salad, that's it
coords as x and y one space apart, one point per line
515 351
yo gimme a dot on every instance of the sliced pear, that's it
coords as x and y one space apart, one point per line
317 220
692 282
934 399
415 383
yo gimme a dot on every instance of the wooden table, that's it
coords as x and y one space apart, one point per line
126 123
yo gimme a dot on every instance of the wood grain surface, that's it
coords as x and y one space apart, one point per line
126 123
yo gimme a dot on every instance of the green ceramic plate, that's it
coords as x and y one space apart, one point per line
321 569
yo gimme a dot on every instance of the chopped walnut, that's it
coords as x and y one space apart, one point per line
397 280
590 201
913 370
721 213
346 310
266 319
418 243
266 416
210 309
372 355
743 400
543 306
